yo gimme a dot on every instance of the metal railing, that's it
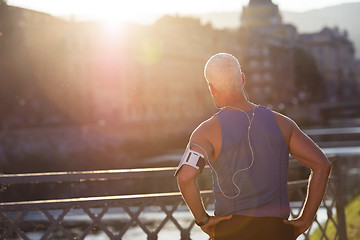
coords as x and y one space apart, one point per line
139 216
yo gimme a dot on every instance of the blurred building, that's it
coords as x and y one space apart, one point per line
334 54
358 74
57 72
154 74
260 14
26 49
170 57
273 52
267 58
82 73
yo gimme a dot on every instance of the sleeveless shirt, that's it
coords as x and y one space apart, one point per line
263 187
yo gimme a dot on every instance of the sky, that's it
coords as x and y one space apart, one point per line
141 10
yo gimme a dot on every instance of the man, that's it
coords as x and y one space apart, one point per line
247 147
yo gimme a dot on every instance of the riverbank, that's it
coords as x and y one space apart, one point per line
81 148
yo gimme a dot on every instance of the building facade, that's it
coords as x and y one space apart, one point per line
133 76
270 54
161 78
358 74
266 53
334 54
139 75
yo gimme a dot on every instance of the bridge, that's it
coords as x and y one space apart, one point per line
151 216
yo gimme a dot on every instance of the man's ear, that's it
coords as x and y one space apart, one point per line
243 78
212 89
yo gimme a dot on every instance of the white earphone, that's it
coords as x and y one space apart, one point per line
240 170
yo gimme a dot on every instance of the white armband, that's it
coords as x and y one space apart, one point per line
193 159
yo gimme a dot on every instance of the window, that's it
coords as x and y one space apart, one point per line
265 51
254 50
267 64
267 77
256 77
254 63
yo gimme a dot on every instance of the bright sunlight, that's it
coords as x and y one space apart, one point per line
112 12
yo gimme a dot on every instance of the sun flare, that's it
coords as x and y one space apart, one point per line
111 12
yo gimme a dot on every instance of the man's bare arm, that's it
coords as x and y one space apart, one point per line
187 177
307 152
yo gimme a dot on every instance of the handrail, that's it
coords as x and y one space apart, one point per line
64 203
102 175
14 220
332 131
98 175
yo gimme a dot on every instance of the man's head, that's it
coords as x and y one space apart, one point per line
224 77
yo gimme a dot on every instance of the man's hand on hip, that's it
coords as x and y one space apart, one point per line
300 225
209 228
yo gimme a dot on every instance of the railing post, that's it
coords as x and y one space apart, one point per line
339 204
152 236
185 234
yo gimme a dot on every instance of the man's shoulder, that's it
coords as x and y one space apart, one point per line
286 125
207 127
283 119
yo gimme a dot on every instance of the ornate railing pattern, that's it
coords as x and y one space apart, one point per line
135 217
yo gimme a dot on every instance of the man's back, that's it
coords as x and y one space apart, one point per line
211 131
251 169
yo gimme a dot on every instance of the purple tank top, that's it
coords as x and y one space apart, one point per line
263 188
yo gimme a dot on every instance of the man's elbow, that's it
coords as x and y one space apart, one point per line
320 164
184 178
324 166
327 167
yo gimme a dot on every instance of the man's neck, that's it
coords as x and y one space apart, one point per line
242 104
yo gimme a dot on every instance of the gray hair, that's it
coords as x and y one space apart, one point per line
223 71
